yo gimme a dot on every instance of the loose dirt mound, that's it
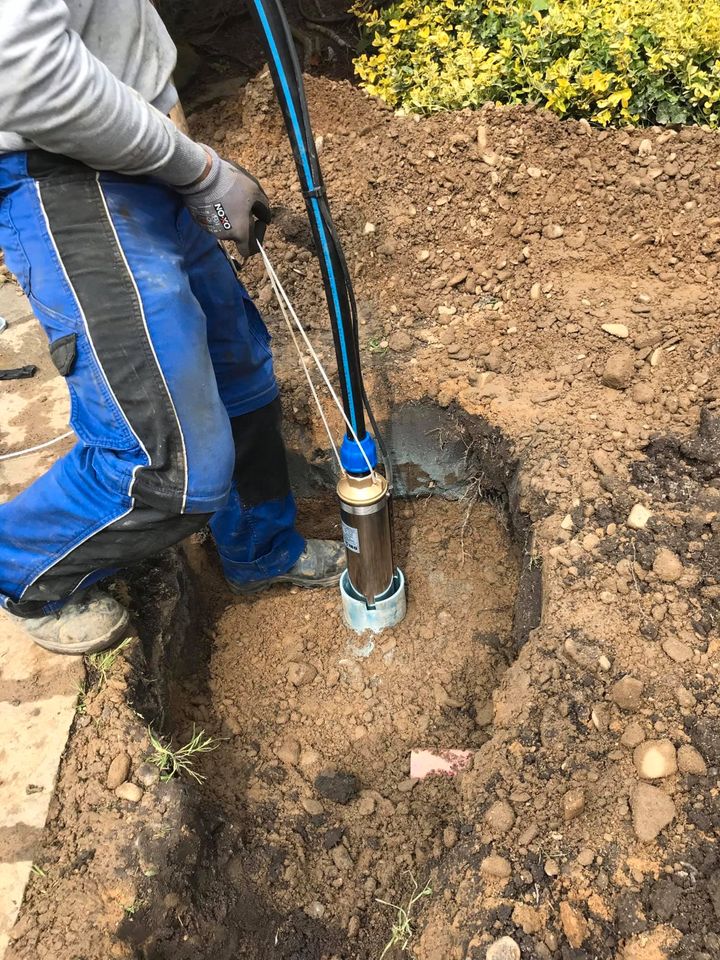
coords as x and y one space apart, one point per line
489 250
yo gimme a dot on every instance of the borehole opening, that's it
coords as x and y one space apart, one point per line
319 816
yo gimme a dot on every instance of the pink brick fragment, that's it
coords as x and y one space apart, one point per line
426 763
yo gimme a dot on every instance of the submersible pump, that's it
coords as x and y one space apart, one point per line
372 588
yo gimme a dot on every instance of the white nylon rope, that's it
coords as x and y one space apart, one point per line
40 446
307 372
282 296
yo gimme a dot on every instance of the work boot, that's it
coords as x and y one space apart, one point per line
87 623
321 565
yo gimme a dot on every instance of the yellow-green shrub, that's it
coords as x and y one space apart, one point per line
612 61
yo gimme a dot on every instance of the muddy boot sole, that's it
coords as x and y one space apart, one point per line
87 646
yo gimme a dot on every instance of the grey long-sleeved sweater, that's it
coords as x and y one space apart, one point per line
91 79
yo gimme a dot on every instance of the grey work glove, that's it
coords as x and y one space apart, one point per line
229 203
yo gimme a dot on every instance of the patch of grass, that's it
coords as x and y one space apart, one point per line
172 762
377 345
401 931
81 705
133 907
104 661
38 871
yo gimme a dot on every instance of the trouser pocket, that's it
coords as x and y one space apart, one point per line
94 413
63 352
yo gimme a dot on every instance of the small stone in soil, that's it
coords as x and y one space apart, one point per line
338 787
651 338
130 792
573 803
300 674
652 811
400 341
147 775
600 716
407 785
639 516
312 807
574 924
677 650
341 858
484 712
626 693
308 758
315 910
690 761
685 698
495 866
528 835
602 463
289 751
655 759
667 566
450 836
632 736
586 857
503 949
333 837
118 771
619 370
576 240
643 393
500 817
616 330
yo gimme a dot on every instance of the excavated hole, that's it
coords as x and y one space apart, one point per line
299 873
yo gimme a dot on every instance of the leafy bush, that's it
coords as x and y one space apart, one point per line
611 61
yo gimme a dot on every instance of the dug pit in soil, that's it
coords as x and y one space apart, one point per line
311 782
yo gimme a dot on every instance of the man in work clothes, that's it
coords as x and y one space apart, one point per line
109 218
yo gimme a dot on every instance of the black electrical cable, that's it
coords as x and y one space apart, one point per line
288 80
286 72
384 455
285 68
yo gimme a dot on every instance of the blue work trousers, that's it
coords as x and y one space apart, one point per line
173 396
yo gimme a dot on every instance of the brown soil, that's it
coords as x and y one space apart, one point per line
428 683
488 250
